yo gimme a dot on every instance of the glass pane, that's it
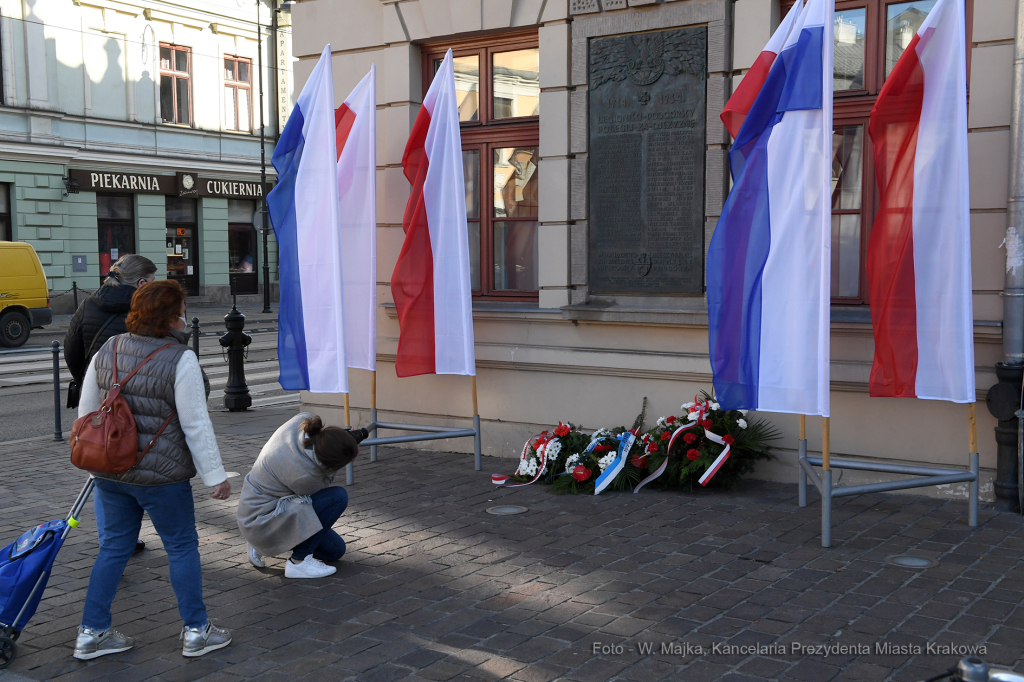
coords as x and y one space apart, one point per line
115 241
5 206
516 81
241 248
474 255
229 69
229 108
243 71
181 256
240 211
116 208
181 61
846 255
165 57
847 167
180 210
515 182
167 98
471 171
467 85
902 22
243 110
849 34
515 256
183 111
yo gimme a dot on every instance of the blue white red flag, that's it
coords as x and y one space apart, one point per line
306 217
769 274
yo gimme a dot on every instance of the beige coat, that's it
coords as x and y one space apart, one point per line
275 512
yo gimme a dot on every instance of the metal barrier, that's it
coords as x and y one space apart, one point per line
425 433
929 476
58 433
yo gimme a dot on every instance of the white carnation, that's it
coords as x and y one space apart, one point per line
743 412
685 406
692 416
661 421
715 406
742 423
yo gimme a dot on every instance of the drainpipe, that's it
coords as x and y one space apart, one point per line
1004 399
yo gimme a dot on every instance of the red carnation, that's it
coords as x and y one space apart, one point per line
689 437
671 420
640 462
562 430
706 423
666 435
652 447
728 440
692 454
581 473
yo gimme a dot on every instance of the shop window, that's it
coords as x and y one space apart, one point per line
175 84
499 108
115 222
182 242
6 230
242 247
868 38
237 94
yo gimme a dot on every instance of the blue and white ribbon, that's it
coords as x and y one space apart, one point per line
626 441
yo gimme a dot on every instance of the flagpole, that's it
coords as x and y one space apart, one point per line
802 456
349 473
803 427
826 486
972 456
476 423
825 436
373 411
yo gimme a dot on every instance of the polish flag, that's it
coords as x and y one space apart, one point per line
738 106
355 124
431 281
919 254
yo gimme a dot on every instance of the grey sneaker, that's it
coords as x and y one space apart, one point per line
199 641
94 643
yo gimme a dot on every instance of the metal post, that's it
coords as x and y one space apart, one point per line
373 448
803 474
826 508
57 430
476 441
195 335
972 504
74 289
263 165
236 392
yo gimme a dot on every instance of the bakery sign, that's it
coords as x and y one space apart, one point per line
111 181
235 189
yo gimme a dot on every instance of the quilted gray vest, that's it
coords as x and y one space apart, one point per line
150 394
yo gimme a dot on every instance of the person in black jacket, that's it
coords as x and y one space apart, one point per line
102 315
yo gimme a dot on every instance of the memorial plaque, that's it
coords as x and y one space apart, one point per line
646 178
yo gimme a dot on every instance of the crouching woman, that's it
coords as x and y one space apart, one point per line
288 503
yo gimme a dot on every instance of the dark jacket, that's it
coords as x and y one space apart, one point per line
88 320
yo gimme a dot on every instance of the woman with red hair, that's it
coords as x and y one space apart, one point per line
167 397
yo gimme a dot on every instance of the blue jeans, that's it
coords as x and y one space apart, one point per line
326 545
172 512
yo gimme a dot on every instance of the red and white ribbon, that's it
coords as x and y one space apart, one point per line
542 451
719 461
701 408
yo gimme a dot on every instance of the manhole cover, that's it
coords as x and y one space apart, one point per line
908 561
507 510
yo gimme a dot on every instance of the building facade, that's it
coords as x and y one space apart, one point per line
596 170
134 127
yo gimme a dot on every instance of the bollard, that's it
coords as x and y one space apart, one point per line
236 393
195 335
74 288
57 430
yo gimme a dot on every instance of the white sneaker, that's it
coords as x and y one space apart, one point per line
309 568
255 559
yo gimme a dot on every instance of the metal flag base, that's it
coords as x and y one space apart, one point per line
426 433
929 476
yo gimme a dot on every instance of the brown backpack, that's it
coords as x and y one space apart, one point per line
106 441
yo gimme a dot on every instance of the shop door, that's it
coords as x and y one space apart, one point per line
182 243
115 222
242 247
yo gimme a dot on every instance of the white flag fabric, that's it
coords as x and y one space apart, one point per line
306 218
355 121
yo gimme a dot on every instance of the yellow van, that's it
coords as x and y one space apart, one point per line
24 298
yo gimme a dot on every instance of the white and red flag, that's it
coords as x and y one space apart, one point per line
431 281
919 254
738 106
356 134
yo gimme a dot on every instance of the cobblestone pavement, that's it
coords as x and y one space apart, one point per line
434 588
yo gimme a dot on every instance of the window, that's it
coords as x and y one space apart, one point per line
242 247
175 84
499 111
237 94
115 220
6 231
868 38
182 245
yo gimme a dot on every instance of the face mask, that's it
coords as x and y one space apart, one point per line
184 321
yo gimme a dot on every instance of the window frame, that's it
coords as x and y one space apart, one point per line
853 107
129 223
7 230
237 85
486 134
176 75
